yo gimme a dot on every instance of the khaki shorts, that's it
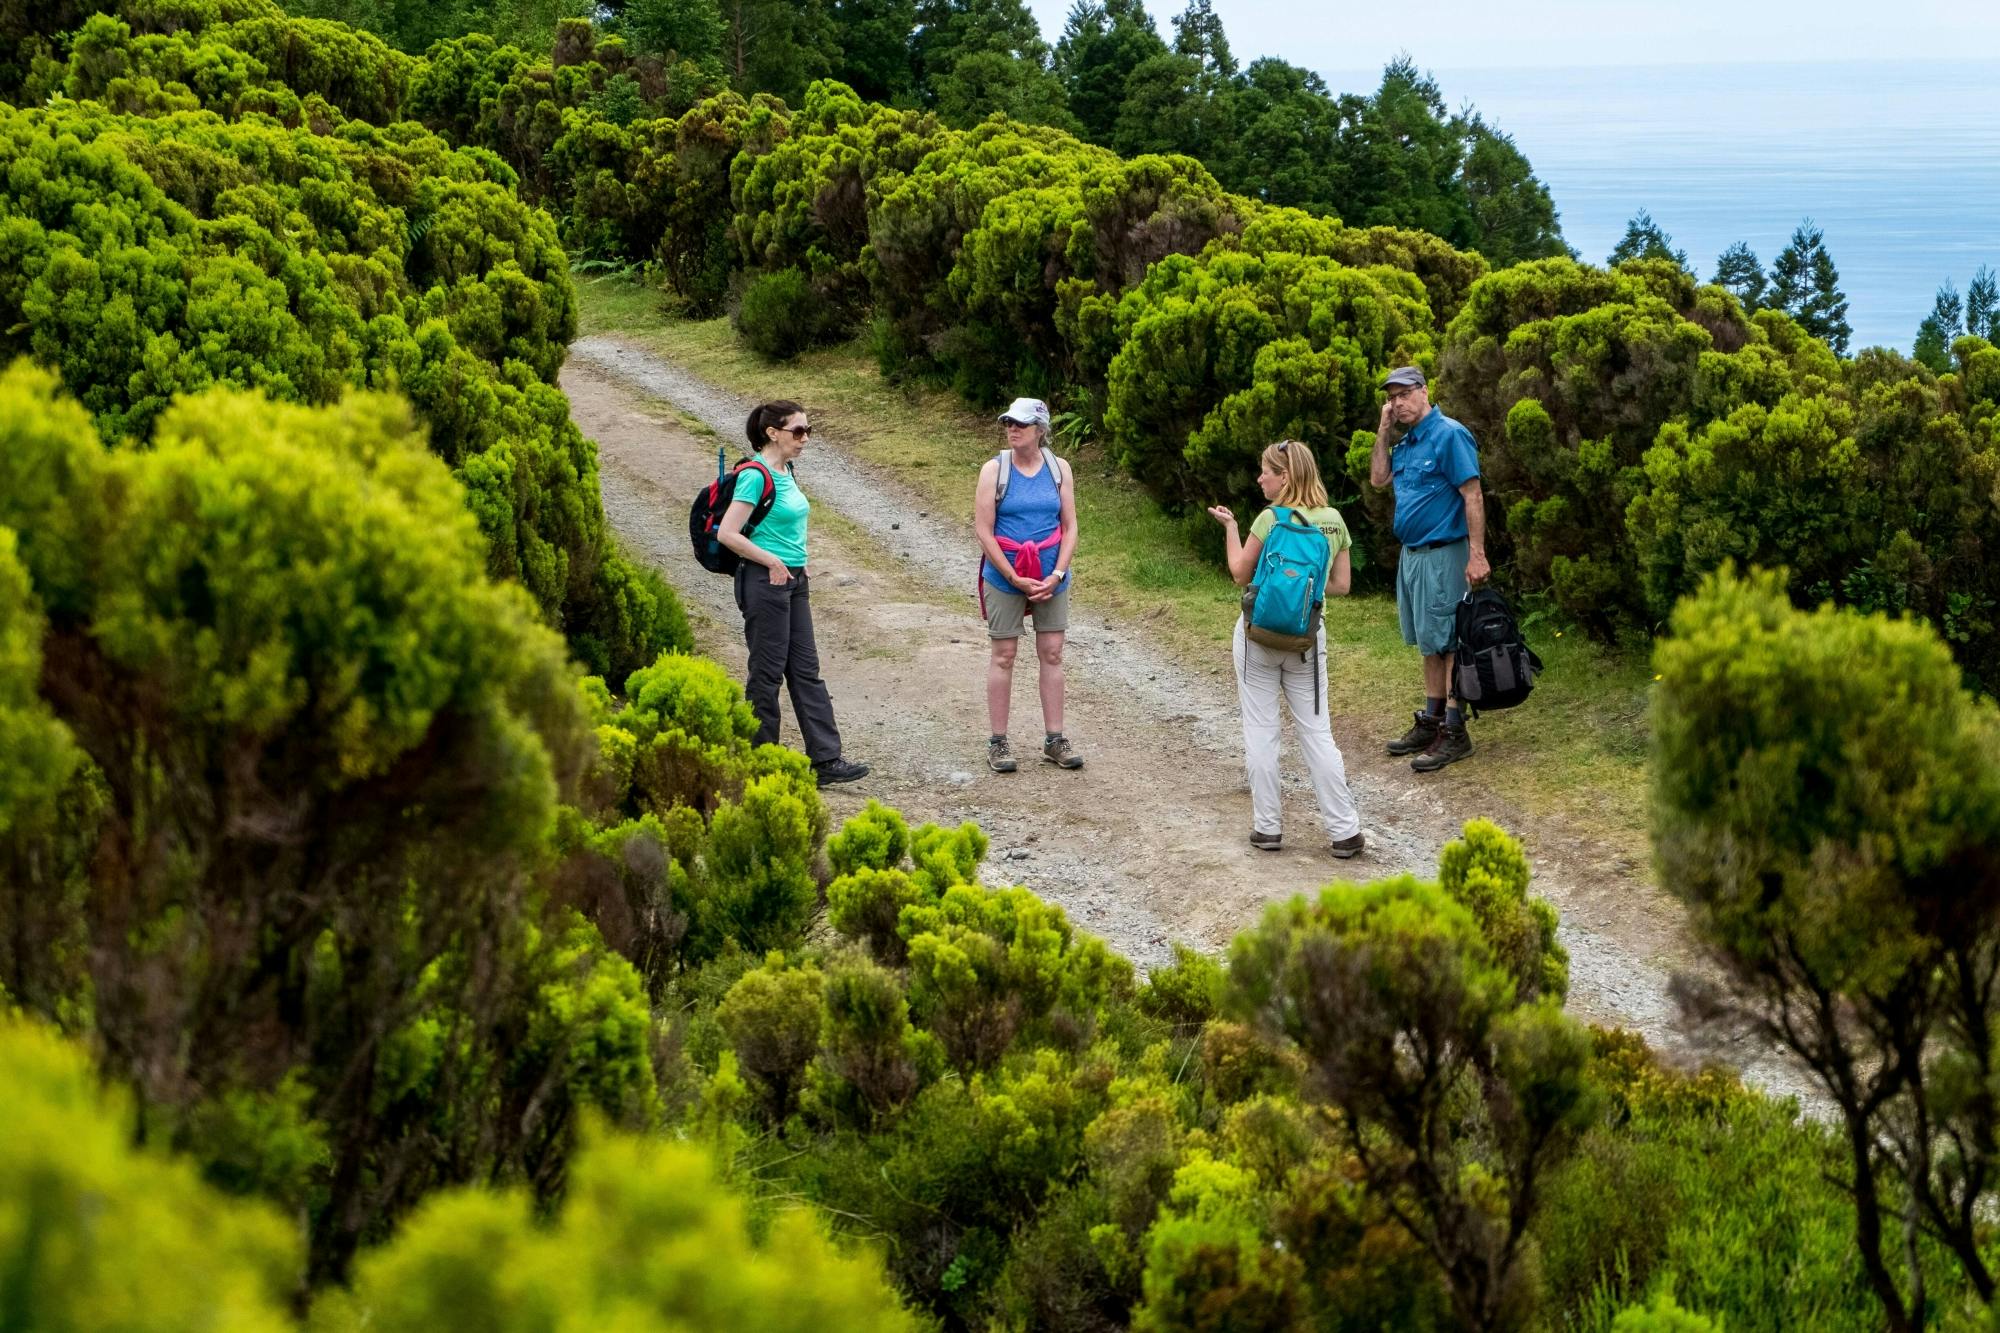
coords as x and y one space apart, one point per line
1005 611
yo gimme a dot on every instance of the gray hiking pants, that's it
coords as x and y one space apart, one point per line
778 627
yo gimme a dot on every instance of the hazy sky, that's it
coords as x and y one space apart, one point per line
1469 34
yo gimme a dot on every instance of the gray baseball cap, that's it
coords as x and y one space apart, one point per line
1409 375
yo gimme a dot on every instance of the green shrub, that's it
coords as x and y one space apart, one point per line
98 1235
776 314
647 1239
1188 992
875 838
772 1016
868 1041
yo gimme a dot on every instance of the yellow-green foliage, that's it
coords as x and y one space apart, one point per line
704 839
1220 355
1838 763
876 838
1487 871
99 1237
330 749
646 1239
36 756
176 236
984 961
772 1016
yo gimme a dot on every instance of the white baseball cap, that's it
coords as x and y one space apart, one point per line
1027 412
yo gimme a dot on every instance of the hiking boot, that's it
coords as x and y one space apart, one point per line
998 757
1057 751
1451 745
1265 842
1419 737
835 771
1348 848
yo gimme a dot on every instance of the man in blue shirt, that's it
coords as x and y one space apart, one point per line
1441 522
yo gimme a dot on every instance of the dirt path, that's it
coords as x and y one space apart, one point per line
1147 843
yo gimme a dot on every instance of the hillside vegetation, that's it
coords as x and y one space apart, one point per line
368 964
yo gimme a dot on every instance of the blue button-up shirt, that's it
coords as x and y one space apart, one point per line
1429 465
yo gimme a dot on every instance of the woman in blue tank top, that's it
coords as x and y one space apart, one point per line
1024 514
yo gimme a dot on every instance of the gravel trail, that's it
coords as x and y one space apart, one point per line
1146 844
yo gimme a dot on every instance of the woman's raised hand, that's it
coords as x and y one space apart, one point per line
1222 514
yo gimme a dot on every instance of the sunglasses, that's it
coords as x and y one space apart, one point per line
798 432
1009 421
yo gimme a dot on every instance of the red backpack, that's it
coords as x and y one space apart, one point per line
713 500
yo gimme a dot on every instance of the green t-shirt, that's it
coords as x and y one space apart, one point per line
783 531
1326 519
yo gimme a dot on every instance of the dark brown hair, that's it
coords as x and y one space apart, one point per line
767 414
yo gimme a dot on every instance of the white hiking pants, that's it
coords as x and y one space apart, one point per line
1262 674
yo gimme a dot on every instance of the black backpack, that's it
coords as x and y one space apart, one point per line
712 501
1494 667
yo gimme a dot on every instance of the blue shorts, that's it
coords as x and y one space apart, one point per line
1429 585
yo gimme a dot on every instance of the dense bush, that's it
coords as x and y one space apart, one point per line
325 753
95 1234
165 249
1825 805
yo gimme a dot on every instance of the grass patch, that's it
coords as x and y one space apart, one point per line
1577 753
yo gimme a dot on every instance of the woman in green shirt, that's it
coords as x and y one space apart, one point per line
1290 477
772 591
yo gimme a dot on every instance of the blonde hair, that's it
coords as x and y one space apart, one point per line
1294 462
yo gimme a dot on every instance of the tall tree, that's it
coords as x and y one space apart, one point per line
1645 239
983 82
1514 218
1806 286
676 29
1982 305
1933 345
1935 334
1738 270
777 46
874 55
1398 158
1198 33
950 30
1103 43
1287 133
1949 307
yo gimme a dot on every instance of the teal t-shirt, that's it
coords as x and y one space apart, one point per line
783 531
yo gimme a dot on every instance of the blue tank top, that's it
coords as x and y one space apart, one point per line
1029 511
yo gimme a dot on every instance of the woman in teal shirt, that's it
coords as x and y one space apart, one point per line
772 592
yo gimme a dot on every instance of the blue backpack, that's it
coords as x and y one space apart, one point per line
1281 607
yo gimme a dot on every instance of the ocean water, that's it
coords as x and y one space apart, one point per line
1897 163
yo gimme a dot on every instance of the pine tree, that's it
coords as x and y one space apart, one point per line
950 30
1982 305
1933 346
777 46
1738 270
1806 286
1644 239
677 29
1198 33
1100 48
1948 309
875 47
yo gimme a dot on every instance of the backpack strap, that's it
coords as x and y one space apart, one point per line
1006 461
762 509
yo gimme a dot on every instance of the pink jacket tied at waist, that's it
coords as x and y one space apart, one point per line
1026 557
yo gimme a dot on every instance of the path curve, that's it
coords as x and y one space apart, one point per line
1146 844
